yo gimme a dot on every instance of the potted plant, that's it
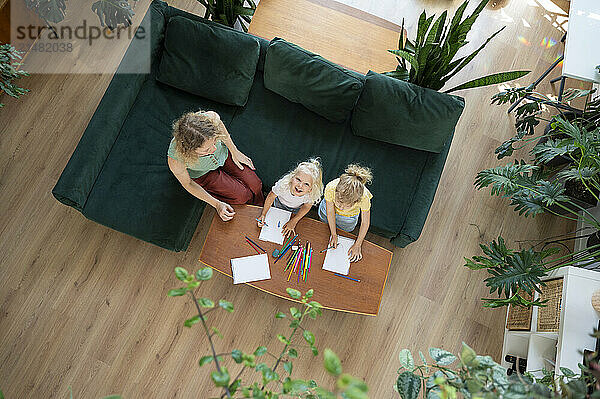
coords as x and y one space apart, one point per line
430 60
9 71
534 188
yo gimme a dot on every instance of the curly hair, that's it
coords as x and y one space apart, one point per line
312 167
351 186
190 131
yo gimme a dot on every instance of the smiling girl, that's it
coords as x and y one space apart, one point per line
296 192
347 198
209 166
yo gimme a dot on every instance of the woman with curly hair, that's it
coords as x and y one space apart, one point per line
209 166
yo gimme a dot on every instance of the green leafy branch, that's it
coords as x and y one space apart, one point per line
273 385
9 71
517 275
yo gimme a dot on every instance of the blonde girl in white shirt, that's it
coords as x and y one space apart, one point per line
296 192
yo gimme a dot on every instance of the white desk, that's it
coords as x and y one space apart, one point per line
582 48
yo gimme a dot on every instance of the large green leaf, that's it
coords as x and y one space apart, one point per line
332 362
398 74
441 356
408 57
522 271
492 79
436 29
505 180
49 10
113 13
408 385
406 359
470 57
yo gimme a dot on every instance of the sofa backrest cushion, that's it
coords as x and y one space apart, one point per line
398 112
309 79
210 61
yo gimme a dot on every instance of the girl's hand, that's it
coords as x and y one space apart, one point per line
240 160
261 220
289 228
355 252
225 211
333 241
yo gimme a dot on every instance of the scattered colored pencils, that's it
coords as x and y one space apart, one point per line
259 247
288 246
252 245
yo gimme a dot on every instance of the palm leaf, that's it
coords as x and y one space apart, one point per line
492 79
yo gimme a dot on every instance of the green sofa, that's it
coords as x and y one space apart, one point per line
118 174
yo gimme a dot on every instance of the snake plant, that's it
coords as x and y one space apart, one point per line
430 61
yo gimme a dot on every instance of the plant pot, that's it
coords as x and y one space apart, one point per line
593 240
578 195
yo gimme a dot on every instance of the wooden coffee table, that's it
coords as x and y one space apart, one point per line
225 240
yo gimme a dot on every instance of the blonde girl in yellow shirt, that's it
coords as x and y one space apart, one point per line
346 198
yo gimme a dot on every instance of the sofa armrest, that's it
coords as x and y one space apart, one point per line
422 198
78 177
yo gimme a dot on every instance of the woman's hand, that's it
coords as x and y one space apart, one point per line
333 241
261 220
289 228
355 252
240 159
225 211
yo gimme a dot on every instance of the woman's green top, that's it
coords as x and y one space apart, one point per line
203 164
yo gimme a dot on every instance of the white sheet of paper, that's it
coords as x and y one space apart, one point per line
275 220
250 268
337 260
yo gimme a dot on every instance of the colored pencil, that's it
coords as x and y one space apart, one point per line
264 223
309 262
248 238
286 248
253 247
286 242
349 278
325 249
291 259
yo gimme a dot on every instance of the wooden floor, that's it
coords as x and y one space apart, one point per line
84 306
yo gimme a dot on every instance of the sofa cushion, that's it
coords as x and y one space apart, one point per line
398 112
210 61
289 133
309 79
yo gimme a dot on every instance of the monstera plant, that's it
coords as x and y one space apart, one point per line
430 60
